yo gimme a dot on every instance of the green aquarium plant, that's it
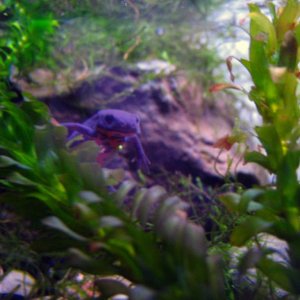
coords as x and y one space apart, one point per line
100 222
103 223
274 209
110 33
68 199
25 33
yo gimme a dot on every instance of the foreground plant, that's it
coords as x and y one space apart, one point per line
273 66
68 200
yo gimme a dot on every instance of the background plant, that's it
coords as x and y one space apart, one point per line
25 34
116 33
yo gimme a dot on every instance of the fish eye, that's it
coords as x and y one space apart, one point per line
137 120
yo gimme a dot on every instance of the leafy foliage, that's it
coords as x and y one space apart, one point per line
72 198
273 66
25 34
115 33
69 200
103 223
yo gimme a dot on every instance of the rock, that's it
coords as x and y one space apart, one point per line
113 286
42 76
16 285
157 66
250 285
179 127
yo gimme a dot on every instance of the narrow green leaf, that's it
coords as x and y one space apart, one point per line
20 179
287 18
79 259
172 230
259 70
267 27
247 202
6 161
231 201
246 64
36 110
249 260
286 278
270 139
139 196
260 159
272 9
168 207
85 213
110 221
248 229
194 239
56 223
147 206
259 58
89 197
91 174
122 192
297 33
287 180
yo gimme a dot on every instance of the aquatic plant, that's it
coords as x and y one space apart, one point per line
97 231
99 223
25 35
112 33
275 209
